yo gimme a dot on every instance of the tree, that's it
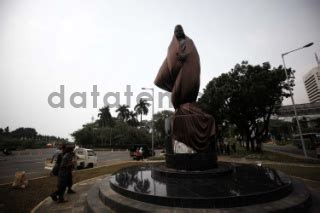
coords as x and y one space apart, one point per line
105 118
307 125
123 112
125 135
216 99
6 131
142 108
247 96
27 133
132 119
104 136
159 122
280 129
85 136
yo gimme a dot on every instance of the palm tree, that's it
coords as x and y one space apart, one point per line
105 118
142 108
159 120
132 119
123 112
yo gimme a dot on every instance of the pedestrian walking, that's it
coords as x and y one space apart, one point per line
64 175
70 176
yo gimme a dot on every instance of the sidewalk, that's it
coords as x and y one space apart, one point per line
76 202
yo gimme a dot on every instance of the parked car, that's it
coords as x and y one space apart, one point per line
162 152
83 158
139 151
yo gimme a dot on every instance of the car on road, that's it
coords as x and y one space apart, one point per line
6 151
83 158
139 151
162 152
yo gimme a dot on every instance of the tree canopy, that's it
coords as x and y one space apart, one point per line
105 117
108 131
141 108
159 119
247 96
29 133
123 112
25 137
121 135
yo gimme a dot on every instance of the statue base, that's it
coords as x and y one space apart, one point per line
191 162
230 188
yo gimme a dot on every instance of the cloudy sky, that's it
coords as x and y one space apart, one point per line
115 43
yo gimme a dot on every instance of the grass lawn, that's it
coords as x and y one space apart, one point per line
311 173
241 152
24 200
263 156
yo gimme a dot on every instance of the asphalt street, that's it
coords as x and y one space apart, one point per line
32 161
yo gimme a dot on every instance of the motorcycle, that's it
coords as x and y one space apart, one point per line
6 152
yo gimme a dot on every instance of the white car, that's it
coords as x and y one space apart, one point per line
85 158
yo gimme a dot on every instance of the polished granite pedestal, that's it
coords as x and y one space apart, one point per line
228 187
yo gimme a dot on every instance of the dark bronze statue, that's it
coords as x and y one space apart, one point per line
180 75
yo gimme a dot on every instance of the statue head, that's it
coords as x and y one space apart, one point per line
178 32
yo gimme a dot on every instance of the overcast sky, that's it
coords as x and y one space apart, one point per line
111 44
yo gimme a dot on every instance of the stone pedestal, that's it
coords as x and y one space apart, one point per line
192 162
230 189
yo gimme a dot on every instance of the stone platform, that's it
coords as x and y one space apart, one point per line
246 188
192 162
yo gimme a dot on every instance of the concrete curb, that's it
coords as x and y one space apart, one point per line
39 204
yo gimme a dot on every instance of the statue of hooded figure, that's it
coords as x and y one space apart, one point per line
180 75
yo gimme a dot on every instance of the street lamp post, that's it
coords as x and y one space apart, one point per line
290 90
152 122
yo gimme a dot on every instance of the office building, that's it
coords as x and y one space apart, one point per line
312 84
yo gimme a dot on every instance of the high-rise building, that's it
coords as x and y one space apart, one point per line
312 84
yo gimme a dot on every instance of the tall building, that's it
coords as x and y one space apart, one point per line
312 84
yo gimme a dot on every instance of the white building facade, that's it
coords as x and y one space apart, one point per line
312 84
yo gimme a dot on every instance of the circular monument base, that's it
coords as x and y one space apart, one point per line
247 188
161 171
191 162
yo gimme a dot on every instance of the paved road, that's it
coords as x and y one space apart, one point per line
290 149
32 161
